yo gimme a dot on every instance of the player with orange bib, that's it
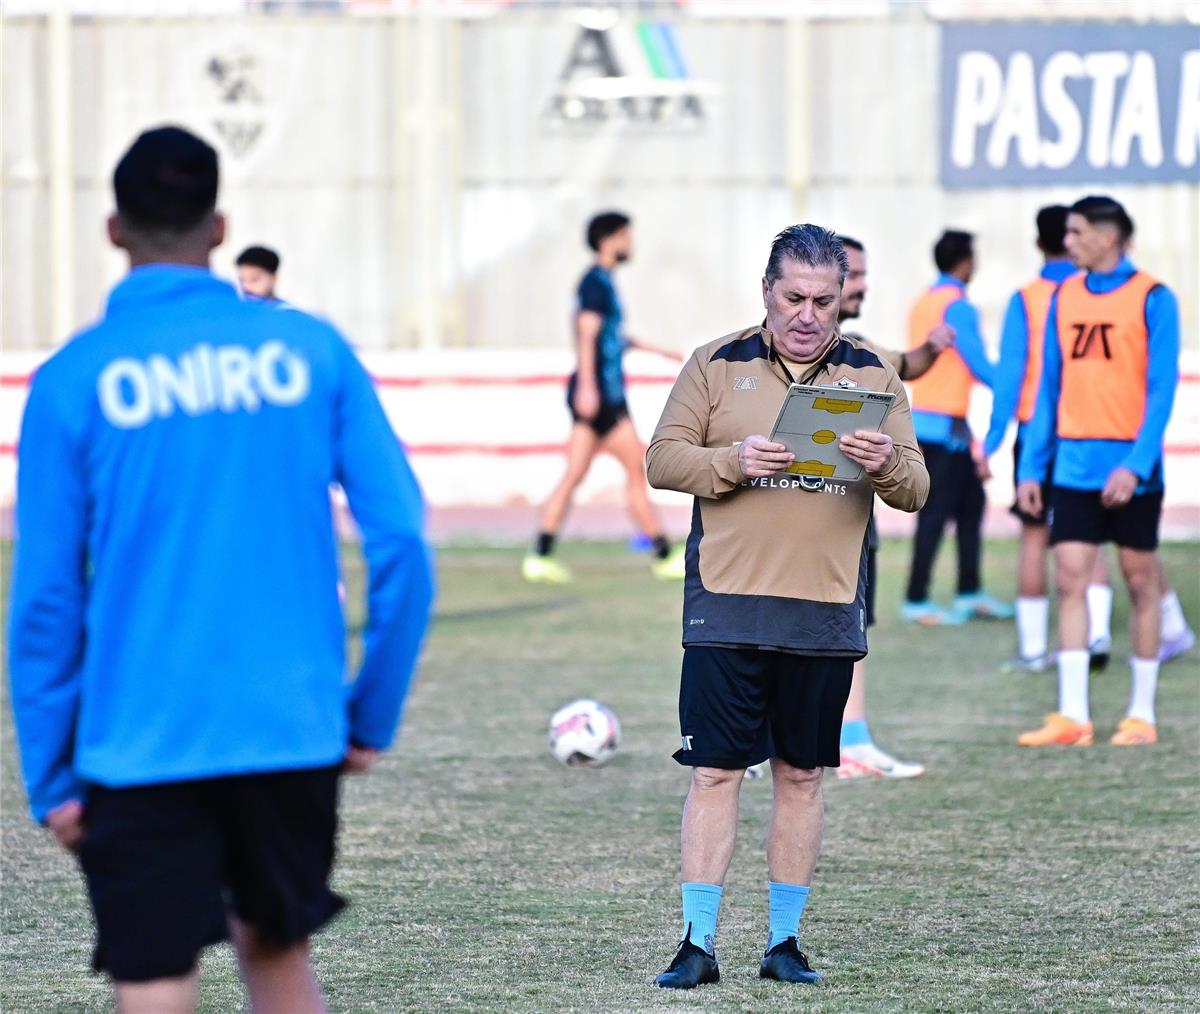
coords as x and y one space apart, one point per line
1109 373
1014 393
940 400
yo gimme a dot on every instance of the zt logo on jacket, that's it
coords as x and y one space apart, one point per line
1090 338
205 379
745 383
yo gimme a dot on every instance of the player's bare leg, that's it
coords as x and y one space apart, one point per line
1143 575
1033 603
860 757
279 980
1071 725
158 996
539 567
1099 609
623 443
582 445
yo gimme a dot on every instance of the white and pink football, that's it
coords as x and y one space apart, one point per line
584 733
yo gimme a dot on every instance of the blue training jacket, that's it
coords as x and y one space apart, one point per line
1009 374
933 427
174 602
1087 464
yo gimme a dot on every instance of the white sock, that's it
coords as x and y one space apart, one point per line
1073 685
1145 682
1099 607
1033 616
1173 623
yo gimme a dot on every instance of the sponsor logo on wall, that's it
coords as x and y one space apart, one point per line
1040 102
626 71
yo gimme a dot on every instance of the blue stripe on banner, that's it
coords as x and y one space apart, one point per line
668 46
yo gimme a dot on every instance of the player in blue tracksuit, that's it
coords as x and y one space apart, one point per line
176 642
1109 375
1014 393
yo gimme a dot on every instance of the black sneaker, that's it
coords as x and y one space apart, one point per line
787 963
1098 652
691 966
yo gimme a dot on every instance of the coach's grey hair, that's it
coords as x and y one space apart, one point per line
807 244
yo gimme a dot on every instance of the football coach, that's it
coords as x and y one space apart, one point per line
774 591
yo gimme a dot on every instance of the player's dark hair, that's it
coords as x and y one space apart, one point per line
259 257
807 244
166 182
1052 229
1101 210
952 248
850 243
604 225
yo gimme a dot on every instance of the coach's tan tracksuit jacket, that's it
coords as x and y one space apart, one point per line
771 564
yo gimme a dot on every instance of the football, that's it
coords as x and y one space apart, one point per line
584 733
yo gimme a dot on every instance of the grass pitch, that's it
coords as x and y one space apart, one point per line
484 876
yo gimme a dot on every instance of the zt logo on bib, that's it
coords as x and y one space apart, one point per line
745 383
1090 338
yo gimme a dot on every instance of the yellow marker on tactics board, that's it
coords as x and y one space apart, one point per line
836 405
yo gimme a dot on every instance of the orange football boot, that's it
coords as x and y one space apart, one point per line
1059 730
1135 732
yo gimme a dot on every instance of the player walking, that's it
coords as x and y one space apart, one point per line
1110 370
940 400
176 645
596 399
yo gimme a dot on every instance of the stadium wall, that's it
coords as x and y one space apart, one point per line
428 192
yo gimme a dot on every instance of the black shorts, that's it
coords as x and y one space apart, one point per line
167 864
1023 516
1077 515
740 706
605 420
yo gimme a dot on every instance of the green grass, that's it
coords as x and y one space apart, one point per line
484 876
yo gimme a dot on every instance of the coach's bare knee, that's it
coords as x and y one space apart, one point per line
716 779
795 781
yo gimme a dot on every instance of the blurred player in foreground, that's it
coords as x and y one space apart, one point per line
860 756
940 400
258 271
1109 374
775 591
176 645
1014 392
596 399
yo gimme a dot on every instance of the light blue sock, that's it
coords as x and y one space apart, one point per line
855 733
787 907
701 903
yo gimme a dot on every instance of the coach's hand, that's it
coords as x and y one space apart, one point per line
587 401
759 457
1029 497
941 337
1119 489
360 759
870 449
65 822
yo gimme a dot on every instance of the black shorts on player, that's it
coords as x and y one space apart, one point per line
605 420
1077 515
1021 515
740 706
166 865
